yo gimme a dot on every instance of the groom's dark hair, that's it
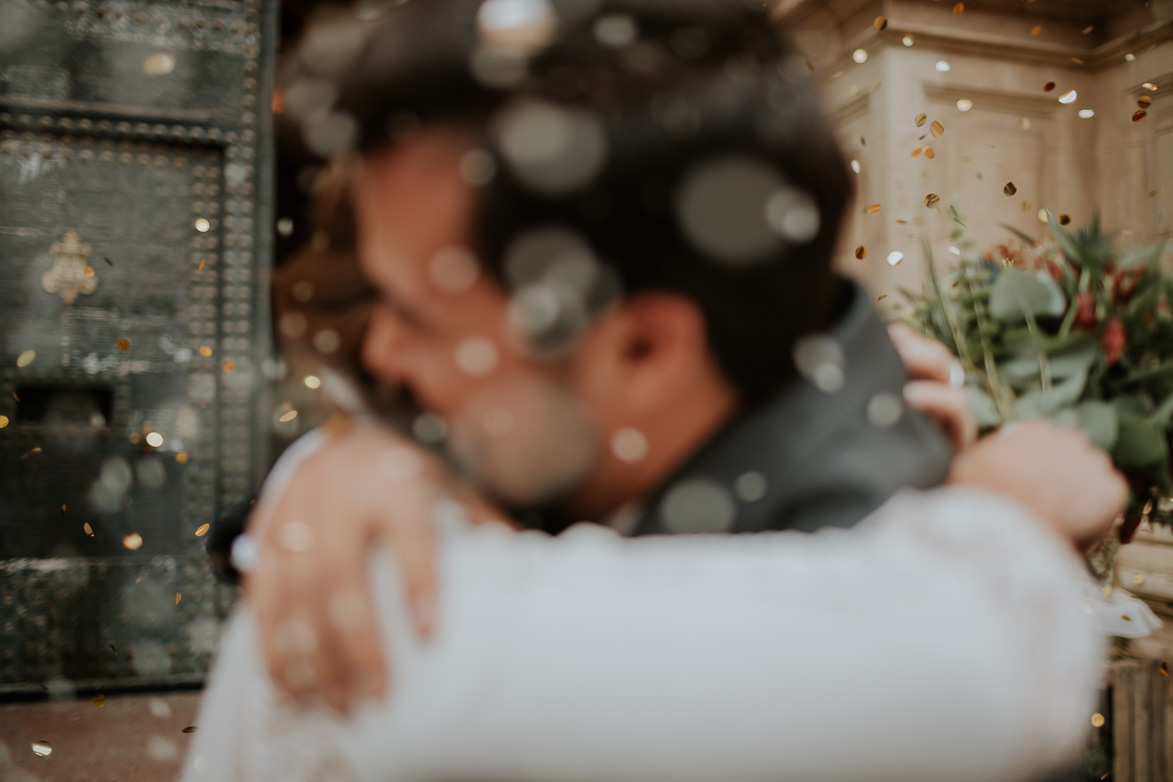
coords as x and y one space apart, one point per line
715 173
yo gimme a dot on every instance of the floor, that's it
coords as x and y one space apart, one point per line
129 738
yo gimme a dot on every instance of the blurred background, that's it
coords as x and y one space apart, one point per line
144 207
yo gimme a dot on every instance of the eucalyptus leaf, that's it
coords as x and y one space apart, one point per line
1139 443
1018 292
1039 404
982 408
1067 358
1100 423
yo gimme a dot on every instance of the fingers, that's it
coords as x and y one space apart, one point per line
925 358
948 406
315 616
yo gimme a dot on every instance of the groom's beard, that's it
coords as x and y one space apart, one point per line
526 445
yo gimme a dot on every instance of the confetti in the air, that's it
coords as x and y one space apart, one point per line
1038 28
1139 114
42 748
932 199
872 208
1069 97
921 119
124 344
181 457
200 268
861 252
1144 101
287 417
190 729
929 153
88 529
1009 189
918 151
99 700
229 367
1098 720
881 297
177 598
202 530
1164 669
3 421
959 9
881 23
1048 86
1064 219
205 351
26 358
937 128
133 541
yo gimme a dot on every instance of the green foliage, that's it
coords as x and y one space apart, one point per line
1065 328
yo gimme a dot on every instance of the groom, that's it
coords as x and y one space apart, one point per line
602 246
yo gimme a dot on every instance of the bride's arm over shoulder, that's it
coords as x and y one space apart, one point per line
944 638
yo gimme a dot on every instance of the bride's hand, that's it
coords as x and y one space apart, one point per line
310 585
936 383
1069 483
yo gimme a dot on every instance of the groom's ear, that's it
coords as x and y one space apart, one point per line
651 349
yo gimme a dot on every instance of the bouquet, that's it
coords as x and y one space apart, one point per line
1070 329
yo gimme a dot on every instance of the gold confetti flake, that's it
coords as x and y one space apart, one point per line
921 119
36 449
861 252
63 510
3 421
901 222
88 271
177 598
1038 28
959 9
99 700
872 208
1139 115
42 748
200 268
937 128
1064 219
229 367
881 23
881 297
205 351
124 344
202 529
133 541
1138 579
287 417
181 457
1077 61
1164 669
1087 30
1009 190
191 729
26 358
1098 720
932 199
1144 101
929 153
918 151
1048 86
88 529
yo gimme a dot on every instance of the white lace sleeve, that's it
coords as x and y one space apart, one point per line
945 638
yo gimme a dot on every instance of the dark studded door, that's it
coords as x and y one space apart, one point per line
135 168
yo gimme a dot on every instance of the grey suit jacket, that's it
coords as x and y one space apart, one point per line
809 459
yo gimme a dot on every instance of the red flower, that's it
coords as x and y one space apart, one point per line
1056 271
1114 340
1125 287
1085 318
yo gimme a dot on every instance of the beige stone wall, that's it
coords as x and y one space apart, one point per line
1000 54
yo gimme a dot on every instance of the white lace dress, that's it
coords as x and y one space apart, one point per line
947 637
